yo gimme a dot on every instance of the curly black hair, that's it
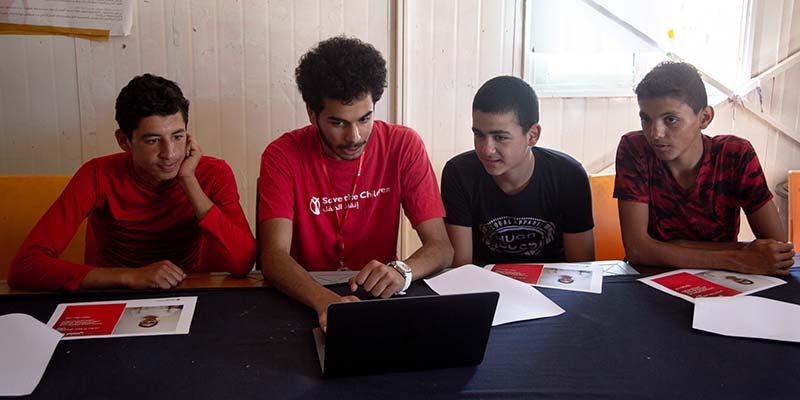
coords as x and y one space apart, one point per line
678 80
342 69
504 94
147 95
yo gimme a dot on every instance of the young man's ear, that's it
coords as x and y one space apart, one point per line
122 140
312 116
533 134
706 116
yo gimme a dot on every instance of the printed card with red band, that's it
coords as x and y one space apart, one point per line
690 284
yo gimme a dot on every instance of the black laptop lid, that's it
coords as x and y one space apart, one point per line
408 333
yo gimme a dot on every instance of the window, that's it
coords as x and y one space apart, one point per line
604 47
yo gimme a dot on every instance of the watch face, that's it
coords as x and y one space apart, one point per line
399 265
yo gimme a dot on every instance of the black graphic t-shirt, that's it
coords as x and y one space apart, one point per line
524 227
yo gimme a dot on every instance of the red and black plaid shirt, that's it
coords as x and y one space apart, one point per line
730 179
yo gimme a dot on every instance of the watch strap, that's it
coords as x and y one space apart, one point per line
403 269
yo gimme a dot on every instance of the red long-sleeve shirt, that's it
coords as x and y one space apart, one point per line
135 225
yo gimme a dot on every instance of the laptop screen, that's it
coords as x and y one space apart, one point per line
412 333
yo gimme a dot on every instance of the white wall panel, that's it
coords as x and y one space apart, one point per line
623 117
256 99
419 68
453 47
66 94
233 137
467 77
550 112
794 32
16 153
573 126
150 26
443 67
790 101
179 47
206 54
43 110
104 85
767 29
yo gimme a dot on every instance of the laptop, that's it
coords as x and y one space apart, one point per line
405 334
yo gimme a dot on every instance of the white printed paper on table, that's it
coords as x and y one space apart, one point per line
565 276
518 301
164 316
26 346
689 284
326 278
748 316
613 267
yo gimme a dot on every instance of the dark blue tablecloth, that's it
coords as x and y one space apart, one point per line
632 341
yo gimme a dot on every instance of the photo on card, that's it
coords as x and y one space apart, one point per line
154 319
566 278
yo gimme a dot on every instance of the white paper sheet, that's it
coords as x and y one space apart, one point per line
747 316
518 301
614 267
326 278
26 346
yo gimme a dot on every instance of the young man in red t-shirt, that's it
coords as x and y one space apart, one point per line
330 193
680 192
157 210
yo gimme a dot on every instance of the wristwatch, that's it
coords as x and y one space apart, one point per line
404 270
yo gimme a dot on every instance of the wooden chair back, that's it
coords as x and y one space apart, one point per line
793 208
607 233
23 200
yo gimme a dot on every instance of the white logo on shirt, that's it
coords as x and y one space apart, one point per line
313 205
325 204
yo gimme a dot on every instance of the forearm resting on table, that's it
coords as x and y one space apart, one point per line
711 246
100 278
283 272
436 252
158 275
430 258
763 256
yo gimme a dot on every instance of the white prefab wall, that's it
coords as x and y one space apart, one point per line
235 61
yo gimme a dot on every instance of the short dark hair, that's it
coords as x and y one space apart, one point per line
678 80
147 95
340 68
504 94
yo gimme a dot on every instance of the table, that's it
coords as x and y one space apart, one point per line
253 342
194 280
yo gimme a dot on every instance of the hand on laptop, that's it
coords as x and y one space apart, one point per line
323 313
378 279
